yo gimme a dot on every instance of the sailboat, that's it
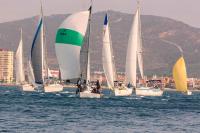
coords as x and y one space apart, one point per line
71 51
107 56
180 76
109 66
19 68
38 61
134 55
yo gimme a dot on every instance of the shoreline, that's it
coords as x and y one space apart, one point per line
103 87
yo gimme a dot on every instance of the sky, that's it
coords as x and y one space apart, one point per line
186 11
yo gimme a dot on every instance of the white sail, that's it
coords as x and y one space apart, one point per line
85 53
37 54
31 78
19 65
85 57
45 57
131 57
107 55
139 51
69 40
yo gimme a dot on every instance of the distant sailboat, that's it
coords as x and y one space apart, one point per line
71 51
20 77
134 44
38 61
109 66
37 54
19 68
107 56
134 55
180 76
131 57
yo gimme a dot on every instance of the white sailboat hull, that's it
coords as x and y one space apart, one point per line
53 88
145 91
123 91
86 94
28 87
189 93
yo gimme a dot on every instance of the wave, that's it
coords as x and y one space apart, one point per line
57 94
164 99
133 98
70 96
67 92
7 91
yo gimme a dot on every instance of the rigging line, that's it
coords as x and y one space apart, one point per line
174 44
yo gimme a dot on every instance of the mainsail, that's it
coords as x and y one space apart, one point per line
139 51
107 55
180 75
85 52
19 65
131 57
37 53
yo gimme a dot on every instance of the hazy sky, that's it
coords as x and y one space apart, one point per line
187 11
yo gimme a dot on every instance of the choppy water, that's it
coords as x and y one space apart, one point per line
63 113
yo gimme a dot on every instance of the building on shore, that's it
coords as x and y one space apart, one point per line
54 73
6 66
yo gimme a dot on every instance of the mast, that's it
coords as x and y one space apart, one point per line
45 55
42 41
43 37
140 51
88 50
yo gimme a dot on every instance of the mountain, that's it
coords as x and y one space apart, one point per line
159 56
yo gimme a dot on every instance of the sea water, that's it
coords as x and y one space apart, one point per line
23 112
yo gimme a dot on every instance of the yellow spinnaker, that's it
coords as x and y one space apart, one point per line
180 75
